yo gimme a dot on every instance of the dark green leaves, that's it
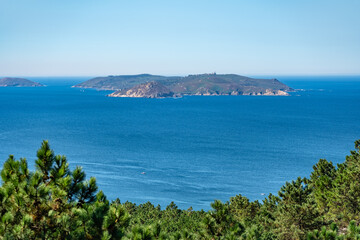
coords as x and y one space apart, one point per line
54 202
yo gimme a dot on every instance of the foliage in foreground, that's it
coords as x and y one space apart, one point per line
54 202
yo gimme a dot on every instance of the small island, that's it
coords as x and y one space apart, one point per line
18 82
154 86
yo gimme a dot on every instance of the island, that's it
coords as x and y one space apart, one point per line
18 82
155 86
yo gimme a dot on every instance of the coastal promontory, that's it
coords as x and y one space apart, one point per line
145 90
155 86
18 82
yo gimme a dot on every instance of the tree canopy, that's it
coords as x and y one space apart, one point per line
55 202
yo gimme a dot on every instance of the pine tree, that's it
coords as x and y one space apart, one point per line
296 213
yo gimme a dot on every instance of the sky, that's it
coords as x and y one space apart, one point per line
179 37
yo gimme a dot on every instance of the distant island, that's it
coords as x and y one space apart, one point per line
154 86
18 82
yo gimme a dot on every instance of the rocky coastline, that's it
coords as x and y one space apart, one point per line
154 86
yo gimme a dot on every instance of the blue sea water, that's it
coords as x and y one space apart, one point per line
193 149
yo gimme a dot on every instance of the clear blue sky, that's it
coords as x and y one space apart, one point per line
254 37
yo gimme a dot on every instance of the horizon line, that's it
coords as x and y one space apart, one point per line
180 75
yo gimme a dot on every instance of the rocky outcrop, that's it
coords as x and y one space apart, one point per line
145 90
269 92
157 90
18 82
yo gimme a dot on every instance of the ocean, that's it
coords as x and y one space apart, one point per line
189 150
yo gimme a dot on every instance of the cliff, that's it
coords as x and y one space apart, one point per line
145 90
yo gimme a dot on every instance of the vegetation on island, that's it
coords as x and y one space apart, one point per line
18 82
146 90
54 202
199 84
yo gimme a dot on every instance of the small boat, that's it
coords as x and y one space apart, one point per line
262 194
143 173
